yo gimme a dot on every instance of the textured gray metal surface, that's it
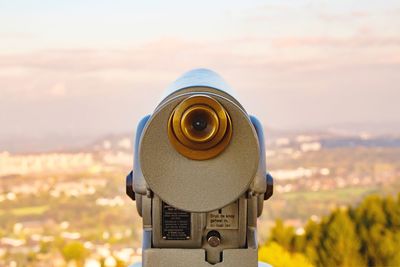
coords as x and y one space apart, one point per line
260 264
167 257
199 77
197 89
139 183
195 258
199 186
231 238
259 184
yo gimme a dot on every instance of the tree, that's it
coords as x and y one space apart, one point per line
311 241
391 209
368 235
339 244
376 221
283 235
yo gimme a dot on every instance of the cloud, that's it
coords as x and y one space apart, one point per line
67 73
16 36
352 41
283 80
87 60
167 55
343 17
58 90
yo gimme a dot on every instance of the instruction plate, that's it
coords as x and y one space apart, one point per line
225 218
175 223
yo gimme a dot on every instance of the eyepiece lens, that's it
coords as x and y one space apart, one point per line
199 127
199 123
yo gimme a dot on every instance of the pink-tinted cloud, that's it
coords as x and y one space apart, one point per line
344 17
353 41
173 54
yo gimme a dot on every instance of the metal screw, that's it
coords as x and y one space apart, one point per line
214 238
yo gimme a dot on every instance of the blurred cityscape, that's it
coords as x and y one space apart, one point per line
69 208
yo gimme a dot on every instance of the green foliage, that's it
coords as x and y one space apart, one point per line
277 256
339 243
44 247
74 251
368 235
283 235
311 240
379 229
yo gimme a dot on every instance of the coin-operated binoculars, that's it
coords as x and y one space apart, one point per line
199 177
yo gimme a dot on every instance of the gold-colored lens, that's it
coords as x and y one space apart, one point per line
199 123
200 128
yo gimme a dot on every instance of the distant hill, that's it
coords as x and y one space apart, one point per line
327 138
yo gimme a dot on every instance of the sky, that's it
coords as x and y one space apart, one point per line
93 67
